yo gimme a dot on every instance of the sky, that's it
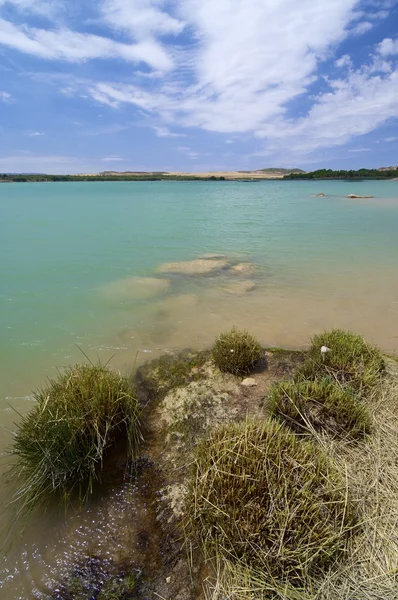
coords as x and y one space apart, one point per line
197 85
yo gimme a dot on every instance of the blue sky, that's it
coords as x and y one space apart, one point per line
197 85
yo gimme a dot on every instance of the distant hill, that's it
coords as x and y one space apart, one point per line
279 171
133 173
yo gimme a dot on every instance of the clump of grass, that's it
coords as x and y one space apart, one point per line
320 405
237 352
60 445
351 360
269 501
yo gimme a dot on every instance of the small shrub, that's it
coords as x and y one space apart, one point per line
237 352
351 360
269 501
322 405
61 443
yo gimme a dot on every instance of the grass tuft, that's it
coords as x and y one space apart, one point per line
351 360
61 443
269 501
320 405
237 352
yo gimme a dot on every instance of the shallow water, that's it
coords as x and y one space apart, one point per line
72 253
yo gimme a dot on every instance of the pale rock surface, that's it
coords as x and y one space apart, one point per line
136 288
199 266
249 382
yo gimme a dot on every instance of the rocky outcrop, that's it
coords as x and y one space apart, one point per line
200 266
356 196
239 288
135 288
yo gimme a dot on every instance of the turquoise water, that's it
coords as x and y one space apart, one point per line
60 243
70 253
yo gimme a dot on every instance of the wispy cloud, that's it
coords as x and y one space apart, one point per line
113 159
36 134
5 97
229 67
72 46
165 132
362 28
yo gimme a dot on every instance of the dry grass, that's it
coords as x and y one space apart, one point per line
370 570
266 500
320 405
237 352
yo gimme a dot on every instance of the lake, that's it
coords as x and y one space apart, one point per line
79 276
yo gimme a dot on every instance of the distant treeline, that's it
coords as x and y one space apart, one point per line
6 177
360 174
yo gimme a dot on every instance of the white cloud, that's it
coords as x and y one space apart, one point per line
165 132
239 68
388 47
5 97
113 159
36 134
362 28
344 61
140 18
354 107
64 44
45 8
355 150
247 64
391 139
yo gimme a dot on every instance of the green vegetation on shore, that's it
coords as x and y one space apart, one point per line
347 358
286 491
60 445
320 405
343 174
22 178
236 352
269 501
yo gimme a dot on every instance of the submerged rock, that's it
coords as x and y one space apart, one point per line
356 196
199 266
245 268
213 257
321 195
136 288
239 288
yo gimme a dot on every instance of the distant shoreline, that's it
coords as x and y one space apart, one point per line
275 174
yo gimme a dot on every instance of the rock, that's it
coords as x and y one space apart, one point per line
168 579
213 257
175 304
136 288
243 268
239 288
320 195
249 382
199 266
355 196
